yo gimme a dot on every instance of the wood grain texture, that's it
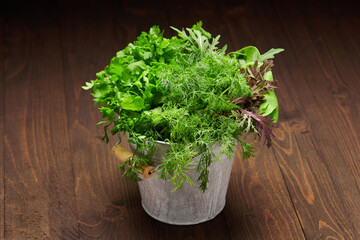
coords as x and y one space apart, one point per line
107 205
2 129
39 197
58 180
335 147
258 203
318 150
266 210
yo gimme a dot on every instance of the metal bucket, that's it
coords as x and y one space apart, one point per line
189 205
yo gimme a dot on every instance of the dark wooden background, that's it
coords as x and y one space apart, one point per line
58 180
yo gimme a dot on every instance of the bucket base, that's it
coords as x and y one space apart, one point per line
184 223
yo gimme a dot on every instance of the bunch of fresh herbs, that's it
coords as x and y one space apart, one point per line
187 92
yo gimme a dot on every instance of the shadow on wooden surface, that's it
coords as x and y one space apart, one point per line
58 180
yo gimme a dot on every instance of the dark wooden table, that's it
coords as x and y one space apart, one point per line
59 181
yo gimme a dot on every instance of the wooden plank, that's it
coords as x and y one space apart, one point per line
39 180
258 203
313 134
347 27
336 41
109 207
2 124
341 71
334 137
316 148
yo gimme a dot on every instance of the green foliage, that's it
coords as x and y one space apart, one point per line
248 150
270 106
185 91
270 54
247 55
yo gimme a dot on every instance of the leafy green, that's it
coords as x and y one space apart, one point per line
186 91
247 55
133 103
270 106
270 54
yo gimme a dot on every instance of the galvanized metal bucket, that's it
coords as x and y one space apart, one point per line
189 205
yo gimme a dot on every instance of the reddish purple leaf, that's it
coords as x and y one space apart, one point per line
264 126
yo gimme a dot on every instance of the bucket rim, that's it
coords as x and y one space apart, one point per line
161 142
